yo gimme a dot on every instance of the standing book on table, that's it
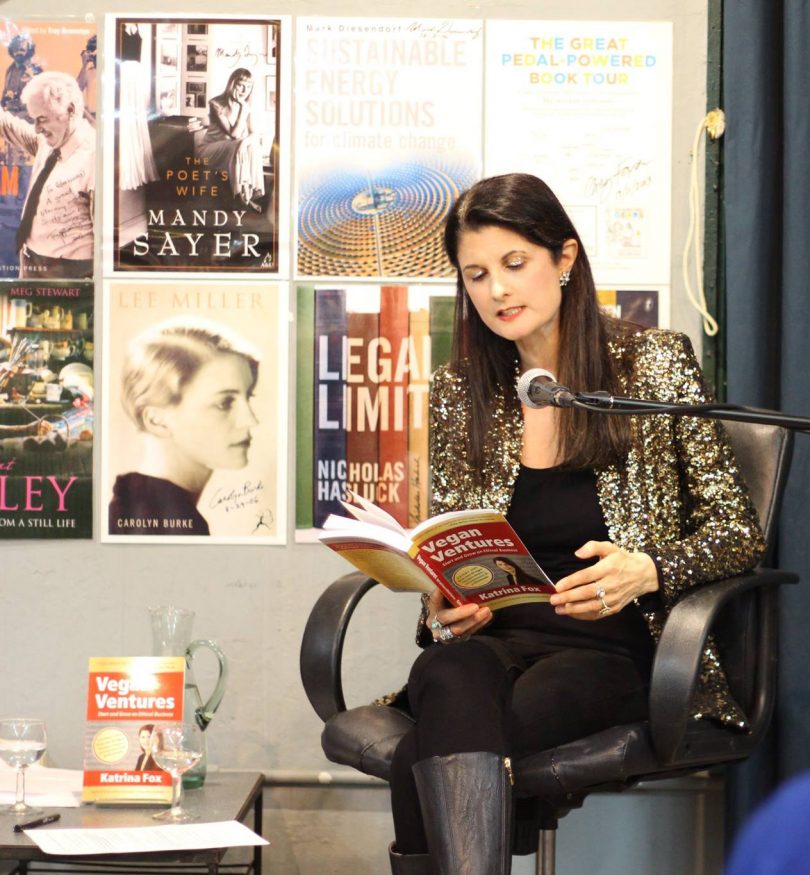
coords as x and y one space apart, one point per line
126 697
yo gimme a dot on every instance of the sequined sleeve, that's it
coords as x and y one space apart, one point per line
448 423
720 532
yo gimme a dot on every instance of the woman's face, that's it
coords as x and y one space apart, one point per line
242 87
211 424
514 284
504 566
145 739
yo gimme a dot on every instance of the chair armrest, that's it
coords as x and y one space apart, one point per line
322 644
677 657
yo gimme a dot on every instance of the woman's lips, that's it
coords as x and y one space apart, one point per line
510 313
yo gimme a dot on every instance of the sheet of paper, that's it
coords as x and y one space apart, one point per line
142 839
51 788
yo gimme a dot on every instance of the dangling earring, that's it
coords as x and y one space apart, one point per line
565 276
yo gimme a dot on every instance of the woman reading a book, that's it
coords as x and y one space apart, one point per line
624 515
188 390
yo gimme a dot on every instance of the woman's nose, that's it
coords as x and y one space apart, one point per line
498 288
247 417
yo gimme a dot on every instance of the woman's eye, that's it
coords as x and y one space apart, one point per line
225 404
515 264
474 277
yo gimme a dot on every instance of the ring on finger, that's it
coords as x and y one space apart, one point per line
600 594
446 634
436 625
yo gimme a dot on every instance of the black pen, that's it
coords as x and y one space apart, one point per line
51 818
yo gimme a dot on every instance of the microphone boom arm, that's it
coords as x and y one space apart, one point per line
604 402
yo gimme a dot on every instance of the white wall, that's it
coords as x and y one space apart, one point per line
61 603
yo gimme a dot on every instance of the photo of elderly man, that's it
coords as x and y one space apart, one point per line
55 233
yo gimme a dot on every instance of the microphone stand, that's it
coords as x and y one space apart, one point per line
604 402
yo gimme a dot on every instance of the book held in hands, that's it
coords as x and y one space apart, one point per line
472 556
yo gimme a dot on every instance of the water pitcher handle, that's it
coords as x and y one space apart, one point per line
205 713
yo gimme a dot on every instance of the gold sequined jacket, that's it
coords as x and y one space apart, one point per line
678 496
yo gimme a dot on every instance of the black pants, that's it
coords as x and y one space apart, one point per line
509 696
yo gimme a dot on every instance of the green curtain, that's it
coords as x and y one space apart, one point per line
766 88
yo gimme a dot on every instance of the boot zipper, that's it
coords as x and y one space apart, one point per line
507 764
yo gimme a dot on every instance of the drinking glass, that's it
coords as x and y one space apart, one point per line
176 748
22 743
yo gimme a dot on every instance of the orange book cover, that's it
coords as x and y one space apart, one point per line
126 697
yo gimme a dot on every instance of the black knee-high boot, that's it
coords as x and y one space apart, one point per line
408 864
466 802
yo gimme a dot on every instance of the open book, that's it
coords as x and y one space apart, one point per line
470 555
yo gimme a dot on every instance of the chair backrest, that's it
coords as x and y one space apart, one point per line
763 453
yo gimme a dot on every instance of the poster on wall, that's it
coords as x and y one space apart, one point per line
594 100
388 133
197 180
195 412
364 356
47 354
47 173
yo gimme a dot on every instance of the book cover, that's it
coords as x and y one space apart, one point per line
47 360
195 413
371 378
472 556
393 454
329 425
197 181
126 697
58 231
639 306
380 104
304 387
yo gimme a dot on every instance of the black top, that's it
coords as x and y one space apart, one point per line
130 45
143 505
555 511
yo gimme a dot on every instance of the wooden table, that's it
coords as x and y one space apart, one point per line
224 796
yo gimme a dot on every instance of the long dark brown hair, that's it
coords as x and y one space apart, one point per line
525 205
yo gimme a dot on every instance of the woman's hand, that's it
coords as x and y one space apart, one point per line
619 577
464 621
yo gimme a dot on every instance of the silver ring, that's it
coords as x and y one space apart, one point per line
446 634
435 624
600 594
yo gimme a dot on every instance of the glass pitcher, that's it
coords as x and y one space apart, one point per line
171 631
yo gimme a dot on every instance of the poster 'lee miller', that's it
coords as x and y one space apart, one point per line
198 122
47 356
195 413
47 171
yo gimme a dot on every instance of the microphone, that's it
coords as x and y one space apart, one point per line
539 388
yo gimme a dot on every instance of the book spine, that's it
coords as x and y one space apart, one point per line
393 482
362 411
304 406
418 415
329 444
442 310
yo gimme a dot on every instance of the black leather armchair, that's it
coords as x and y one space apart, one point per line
741 613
